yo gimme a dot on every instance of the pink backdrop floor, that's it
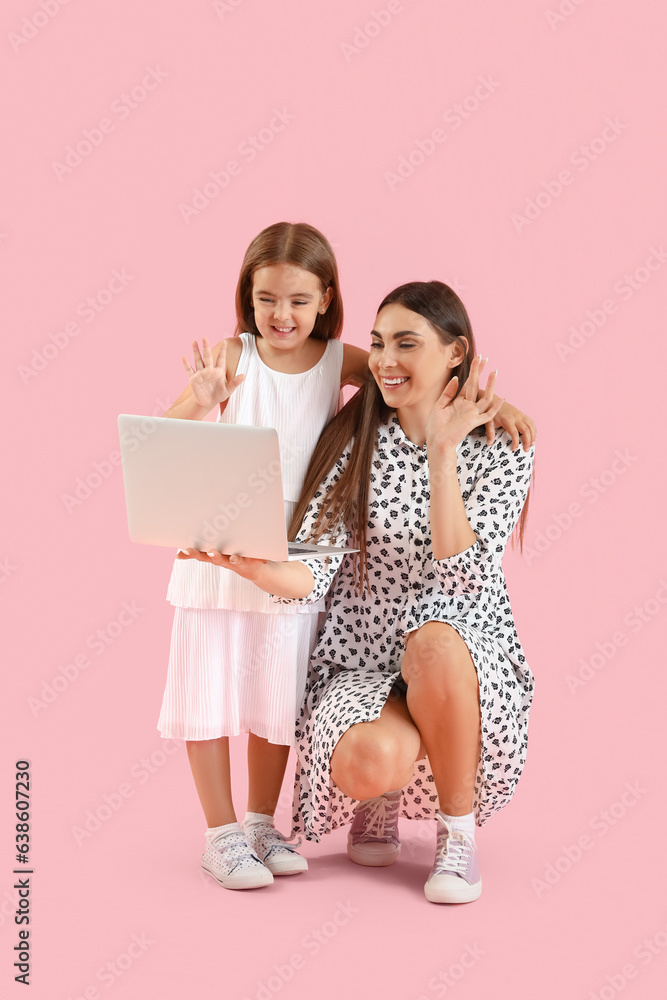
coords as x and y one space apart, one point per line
514 150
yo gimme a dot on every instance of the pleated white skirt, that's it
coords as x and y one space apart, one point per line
235 671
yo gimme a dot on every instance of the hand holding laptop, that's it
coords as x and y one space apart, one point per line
245 566
284 579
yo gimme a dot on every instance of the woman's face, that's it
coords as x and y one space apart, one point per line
408 359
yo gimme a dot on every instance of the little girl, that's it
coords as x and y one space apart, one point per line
238 660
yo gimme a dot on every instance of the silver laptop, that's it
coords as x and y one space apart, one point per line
210 486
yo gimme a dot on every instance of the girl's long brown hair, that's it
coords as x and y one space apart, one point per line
358 421
303 246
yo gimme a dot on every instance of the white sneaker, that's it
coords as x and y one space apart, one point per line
274 850
230 860
455 876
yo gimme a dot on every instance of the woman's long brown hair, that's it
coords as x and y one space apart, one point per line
358 421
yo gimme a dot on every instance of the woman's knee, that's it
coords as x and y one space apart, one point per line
364 761
437 657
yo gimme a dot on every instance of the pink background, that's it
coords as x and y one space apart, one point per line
570 878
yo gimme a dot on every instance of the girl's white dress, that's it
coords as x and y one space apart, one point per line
356 662
239 661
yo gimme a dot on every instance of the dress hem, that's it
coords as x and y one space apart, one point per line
174 735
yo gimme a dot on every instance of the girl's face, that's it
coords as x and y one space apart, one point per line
408 359
287 300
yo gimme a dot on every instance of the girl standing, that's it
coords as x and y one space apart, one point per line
238 661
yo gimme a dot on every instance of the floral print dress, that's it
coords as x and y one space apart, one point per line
356 661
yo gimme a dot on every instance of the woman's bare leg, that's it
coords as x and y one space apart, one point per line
443 700
372 758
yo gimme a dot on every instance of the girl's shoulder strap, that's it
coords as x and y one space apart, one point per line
336 347
247 354
247 340
333 358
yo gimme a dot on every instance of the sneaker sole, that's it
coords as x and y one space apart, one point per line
372 860
288 866
245 882
466 894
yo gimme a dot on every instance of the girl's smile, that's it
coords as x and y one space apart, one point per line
286 301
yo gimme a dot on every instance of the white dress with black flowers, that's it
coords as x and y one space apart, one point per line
358 654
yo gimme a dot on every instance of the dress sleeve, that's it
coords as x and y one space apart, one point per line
493 506
323 570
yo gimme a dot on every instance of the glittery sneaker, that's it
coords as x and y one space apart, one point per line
373 838
274 850
455 875
232 862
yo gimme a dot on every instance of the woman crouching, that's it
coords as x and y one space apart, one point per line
418 691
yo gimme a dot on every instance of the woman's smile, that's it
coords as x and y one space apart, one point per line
393 381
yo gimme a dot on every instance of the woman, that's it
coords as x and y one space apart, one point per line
419 656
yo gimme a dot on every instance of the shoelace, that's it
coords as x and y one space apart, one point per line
270 838
234 848
380 813
454 855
